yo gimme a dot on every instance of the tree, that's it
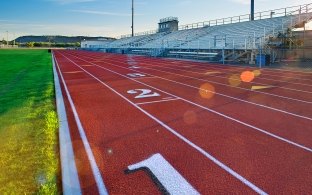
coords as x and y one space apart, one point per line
30 44
77 44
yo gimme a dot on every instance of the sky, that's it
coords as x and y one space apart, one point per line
112 18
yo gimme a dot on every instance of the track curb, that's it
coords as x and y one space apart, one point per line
70 180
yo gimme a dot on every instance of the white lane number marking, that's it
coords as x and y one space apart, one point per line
136 75
135 67
143 93
166 174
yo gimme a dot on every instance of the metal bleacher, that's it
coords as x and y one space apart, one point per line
237 32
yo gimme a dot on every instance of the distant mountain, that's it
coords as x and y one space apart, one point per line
56 39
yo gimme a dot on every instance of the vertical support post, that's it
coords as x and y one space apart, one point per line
132 27
273 29
304 37
254 41
300 14
223 55
252 10
197 45
260 60
233 49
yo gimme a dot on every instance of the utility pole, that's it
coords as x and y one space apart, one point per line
252 10
132 19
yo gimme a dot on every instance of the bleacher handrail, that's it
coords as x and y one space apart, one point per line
246 17
287 11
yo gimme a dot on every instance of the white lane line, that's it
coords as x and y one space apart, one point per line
176 67
70 180
272 79
209 156
73 72
294 72
238 99
246 89
166 98
151 77
266 93
258 83
213 111
151 102
204 64
227 96
95 169
204 68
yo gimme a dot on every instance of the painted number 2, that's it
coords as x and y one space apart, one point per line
143 93
136 75
168 179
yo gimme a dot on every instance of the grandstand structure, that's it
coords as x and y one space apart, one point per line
237 38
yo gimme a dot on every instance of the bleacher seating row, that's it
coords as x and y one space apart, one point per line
241 35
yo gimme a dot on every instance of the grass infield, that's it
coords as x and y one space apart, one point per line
29 159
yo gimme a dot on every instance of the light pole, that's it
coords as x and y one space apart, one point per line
132 19
252 10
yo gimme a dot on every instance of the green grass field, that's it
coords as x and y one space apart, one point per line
29 160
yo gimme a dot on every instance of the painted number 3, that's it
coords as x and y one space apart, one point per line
143 93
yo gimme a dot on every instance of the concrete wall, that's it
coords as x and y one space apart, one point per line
94 44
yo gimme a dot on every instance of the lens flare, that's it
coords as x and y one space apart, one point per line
257 73
190 117
207 91
234 80
109 151
247 76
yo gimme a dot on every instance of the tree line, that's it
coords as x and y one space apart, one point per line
47 44
41 44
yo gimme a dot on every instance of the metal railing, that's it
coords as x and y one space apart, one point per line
294 10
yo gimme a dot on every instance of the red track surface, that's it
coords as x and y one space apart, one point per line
262 138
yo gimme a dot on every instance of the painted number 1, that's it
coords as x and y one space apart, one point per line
167 177
143 93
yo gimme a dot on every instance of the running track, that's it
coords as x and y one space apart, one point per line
144 125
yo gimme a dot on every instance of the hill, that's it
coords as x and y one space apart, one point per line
55 39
